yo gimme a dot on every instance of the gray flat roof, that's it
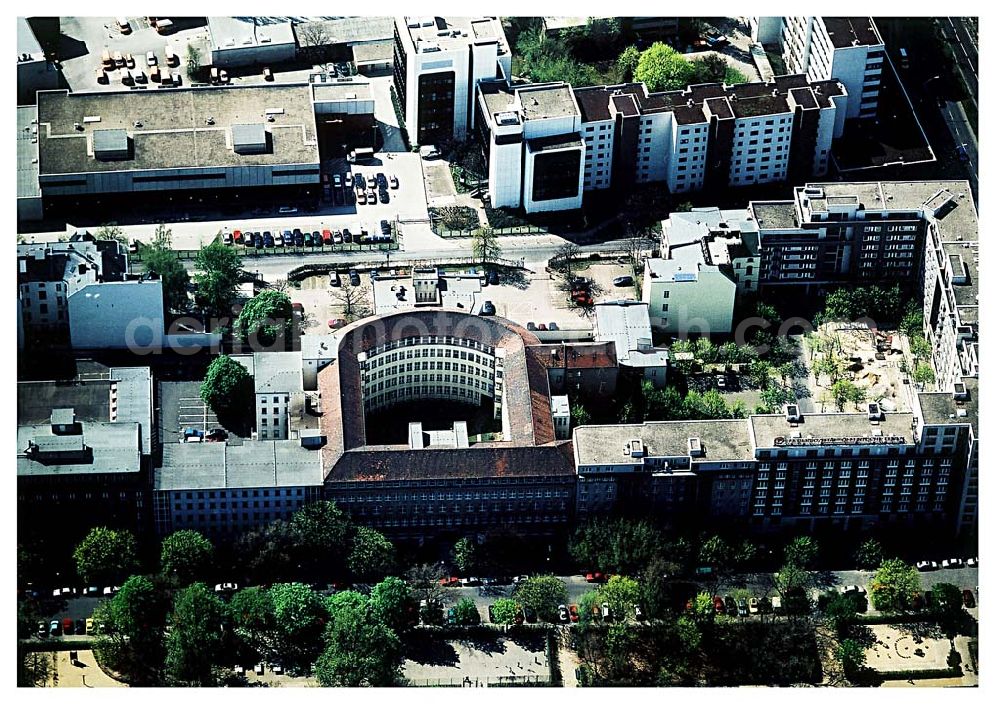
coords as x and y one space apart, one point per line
547 102
775 215
173 131
353 30
241 32
941 407
343 91
721 440
845 31
379 51
115 448
90 399
768 427
203 466
27 43
135 400
453 32
624 322
277 372
27 152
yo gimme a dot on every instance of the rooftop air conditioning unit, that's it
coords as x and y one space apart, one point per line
792 414
694 448
961 392
634 448
874 412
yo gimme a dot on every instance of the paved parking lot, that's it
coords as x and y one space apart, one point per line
181 407
533 296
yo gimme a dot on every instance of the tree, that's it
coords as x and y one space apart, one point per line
217 278
466 612
894 584
616 545
132 641
542 594
266 317
505 611
851 655
270 553
923 373
195 641
709 70
390 599
423 580
628 61
663 68
372 555
313 36
227 387
947 604
360 651
840 612
845 392
111 232
790 581
485 246
354 299
251 611
106 556
192 61
774 397
185 555
160 260
299 617
802 552
456 218
464 555
869 555
579 415
322 532
346 599
621 593
703 608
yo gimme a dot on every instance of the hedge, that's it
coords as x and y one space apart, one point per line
943 673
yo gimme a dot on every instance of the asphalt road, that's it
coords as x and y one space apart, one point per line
963 135
965 44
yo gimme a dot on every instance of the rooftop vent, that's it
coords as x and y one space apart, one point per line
137 124
634 448
249 138
792 414
111 144
210 121
961 413
695 449
961 392
874 412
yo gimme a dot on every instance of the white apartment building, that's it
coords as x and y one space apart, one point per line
847 49
727 237
279 394
437 63
687 296
751 133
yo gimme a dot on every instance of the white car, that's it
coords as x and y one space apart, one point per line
972 562
220 587
563 613
110 590
227 239
754 605
952 564
927 566
150 58
853 589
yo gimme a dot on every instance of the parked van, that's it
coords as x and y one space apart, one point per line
164 26
172 59
123 26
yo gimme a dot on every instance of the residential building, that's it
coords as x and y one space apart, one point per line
579 368
705 135
687 295
728 239
626 323
250 41
766 30
846 49
437 63
102 148
223 490
281 407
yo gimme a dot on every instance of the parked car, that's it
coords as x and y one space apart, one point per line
268 76
90 626
972 562
354 277
334 279
852 589
373 274
43 630
952 564
742 608
150 58
92 591
394 182
593 576
372 197
488 308
927 566
471 581
110 591
327 237
605 611
450 581
80 626
622 281
269 242
530 326
227 587
730 605
67 626
720 606
336 323
362 197
348 180
359 181
720 41
54 628
754 605
563 613
968 599
227 239
216 435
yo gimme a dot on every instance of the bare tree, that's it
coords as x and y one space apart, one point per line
425 582
485 245
312 34
112 232
564 258
637 243
279 284
355 300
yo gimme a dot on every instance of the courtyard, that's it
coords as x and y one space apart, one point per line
478 660
907 647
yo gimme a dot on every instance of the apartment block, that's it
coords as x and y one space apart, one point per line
846 49
437 63
688 296
705 135
727 238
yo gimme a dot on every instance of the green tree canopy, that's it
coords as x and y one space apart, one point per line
272 552
621 593
159 258
851 655
505 611
466 612
266 317
372 554
663 68
390 599
869 555
947 603
132 641
195 645
486 246
802 551
543 594
845 392
360 651
464 555
299 617
322 530
894 584
227 387
345 599
185 555
840 613
628 62
106 556
616 545
217 277
251 611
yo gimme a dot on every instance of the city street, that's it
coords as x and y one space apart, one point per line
964 38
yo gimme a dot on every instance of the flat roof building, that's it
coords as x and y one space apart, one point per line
250 41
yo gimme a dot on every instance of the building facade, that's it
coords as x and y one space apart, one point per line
688 296
847 49
437 63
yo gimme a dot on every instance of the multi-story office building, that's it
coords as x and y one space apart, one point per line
279 393
846 49
83 453
707 134
437 63
96 148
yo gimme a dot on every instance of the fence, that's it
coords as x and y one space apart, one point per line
190 254
321 269
495 681
500 231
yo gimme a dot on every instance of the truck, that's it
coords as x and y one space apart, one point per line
164 26
362 155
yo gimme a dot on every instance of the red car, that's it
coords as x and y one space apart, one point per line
238 236
574 614
450 581
327 237
595 577
720 605
67 626
336 323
